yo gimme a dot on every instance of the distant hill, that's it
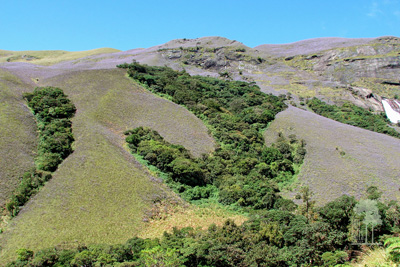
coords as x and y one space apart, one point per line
311 46
49 57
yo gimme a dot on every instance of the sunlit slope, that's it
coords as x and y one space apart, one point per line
50 57
99 193
17 134
341 159
118 103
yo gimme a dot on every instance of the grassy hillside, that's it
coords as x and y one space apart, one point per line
100 193
17 134
341 159
49 57
115 101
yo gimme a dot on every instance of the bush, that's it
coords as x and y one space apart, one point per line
353 115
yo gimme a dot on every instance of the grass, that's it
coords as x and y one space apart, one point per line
189 216
49 57
97 195
377 86
100 193
340 159
375 257
17 135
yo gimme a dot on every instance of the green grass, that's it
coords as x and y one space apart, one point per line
49 57
17 135
100 193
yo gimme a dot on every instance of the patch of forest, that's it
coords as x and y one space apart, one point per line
242 171
353 115
53 112
309 237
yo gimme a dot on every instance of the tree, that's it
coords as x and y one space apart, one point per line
307 209
338 213
367 210
373 193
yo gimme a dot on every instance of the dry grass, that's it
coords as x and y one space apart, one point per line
181 216
369 158
376 257
49 57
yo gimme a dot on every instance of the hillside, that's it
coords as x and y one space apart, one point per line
101 179
340 158
17 134
101 193
49 57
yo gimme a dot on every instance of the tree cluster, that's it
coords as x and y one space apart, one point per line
353 115
53 112
242 169
268 238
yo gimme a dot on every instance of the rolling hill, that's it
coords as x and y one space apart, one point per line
100 193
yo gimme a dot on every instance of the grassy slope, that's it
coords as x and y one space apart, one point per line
50 57
370 158
99 193
17 134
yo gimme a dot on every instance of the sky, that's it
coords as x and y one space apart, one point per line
83 25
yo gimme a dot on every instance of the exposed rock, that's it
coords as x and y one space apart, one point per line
366 98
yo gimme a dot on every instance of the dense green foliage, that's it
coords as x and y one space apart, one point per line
393 248
30 183
242 170
268 238
353 115
53 111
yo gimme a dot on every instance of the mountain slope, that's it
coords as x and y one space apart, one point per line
17 135
310 46
341 159
100 193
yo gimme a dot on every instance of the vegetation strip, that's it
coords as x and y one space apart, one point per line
353 115
269 238
242 172
53 112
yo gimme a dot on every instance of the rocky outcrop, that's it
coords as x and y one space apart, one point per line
215 58
365 98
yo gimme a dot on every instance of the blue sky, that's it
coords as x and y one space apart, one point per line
82 25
